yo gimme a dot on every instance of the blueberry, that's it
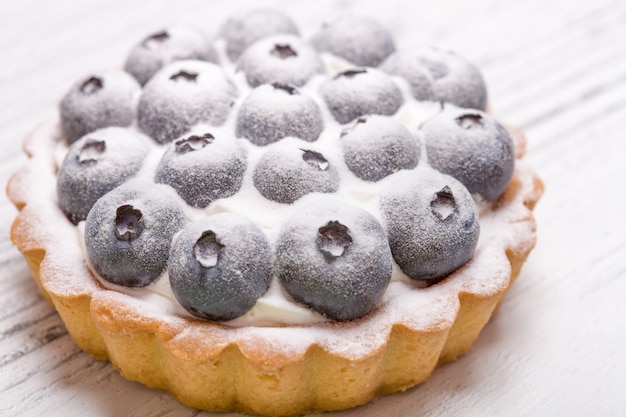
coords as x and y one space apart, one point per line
438 75
291 169
357 39
177 42
431 222
94 165
243 29
472 147
283 58
128 233
219 266
183 94
274 111
101 99
378 146
334 258
357 92
203 166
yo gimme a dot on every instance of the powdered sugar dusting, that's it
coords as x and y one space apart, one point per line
276 320
65 272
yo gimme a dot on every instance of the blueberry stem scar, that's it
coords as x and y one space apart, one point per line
92 85
207 249
333 239
128 223
315 159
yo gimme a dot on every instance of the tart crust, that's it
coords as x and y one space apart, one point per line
275 371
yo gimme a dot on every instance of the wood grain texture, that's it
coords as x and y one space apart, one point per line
555 68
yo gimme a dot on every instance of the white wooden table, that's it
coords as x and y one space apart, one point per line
555 68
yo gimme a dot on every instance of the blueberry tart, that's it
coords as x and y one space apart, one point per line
279 225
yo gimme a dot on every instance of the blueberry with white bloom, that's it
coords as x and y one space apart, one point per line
98 100
291 169
96 164
274 111
183 94
439 75
219 266
128 233
473 147
243 29
431 222
361 91
334 258
174 43
283 58
378 146
203 166
357 39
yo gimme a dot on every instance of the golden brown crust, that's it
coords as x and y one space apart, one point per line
205 370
